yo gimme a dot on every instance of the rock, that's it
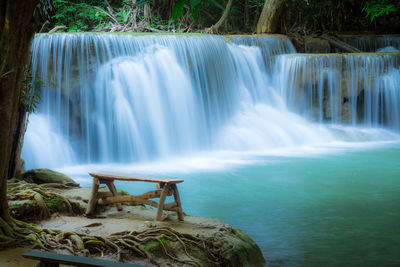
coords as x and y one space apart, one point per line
210 242
316 45
240 249
42 176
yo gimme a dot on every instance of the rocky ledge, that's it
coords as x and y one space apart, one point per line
193 242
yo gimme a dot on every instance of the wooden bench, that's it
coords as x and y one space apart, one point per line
166 187
53 260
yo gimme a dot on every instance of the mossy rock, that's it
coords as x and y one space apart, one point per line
42 176
240 249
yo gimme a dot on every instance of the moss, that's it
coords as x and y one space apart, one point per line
155 247
55 204
40 176
229 38
14 180
123 192
240 249
14 206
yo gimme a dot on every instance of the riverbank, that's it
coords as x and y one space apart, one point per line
196 241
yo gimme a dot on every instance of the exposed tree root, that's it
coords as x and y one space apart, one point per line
155 244
121 245
46 201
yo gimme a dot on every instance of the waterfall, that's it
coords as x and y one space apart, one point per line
270 47
122 98
374 43
358 89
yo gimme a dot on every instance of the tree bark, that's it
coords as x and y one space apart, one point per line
225 15
269 18
17 26
15 166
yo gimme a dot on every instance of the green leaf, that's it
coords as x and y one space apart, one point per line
194 3
215 3
195 13
178 9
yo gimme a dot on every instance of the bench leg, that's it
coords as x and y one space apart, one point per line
178 202
93 197
163 195
113 190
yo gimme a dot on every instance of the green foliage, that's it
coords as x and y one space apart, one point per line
29 96
194 5
78 15
31 99
14 206
379 8
55 203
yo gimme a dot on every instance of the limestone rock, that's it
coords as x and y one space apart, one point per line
42 176
316 45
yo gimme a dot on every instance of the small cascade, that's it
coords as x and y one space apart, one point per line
270 46
355 89
374 43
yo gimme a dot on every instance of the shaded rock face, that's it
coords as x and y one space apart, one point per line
41 176
316 45
244 251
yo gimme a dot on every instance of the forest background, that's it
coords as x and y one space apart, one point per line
226 16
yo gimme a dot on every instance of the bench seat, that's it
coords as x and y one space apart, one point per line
166 187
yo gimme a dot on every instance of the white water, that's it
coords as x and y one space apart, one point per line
360 89
374 43
126 99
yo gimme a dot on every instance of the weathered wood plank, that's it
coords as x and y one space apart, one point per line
93 197
113 190
74 260
154 194
170 206
119 199
161 202
178 202
114 176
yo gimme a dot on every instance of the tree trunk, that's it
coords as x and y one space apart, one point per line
269 18
17 26
225 15
15 166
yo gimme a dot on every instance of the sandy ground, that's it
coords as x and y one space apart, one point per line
109 221
12 258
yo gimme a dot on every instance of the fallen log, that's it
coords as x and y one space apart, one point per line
335 42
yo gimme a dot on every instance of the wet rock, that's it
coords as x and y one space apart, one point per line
316 45
346 112
42 176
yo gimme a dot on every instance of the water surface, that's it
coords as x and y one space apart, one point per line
303 209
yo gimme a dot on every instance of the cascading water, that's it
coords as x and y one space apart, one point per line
374 43
123 98
356 89
270 47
